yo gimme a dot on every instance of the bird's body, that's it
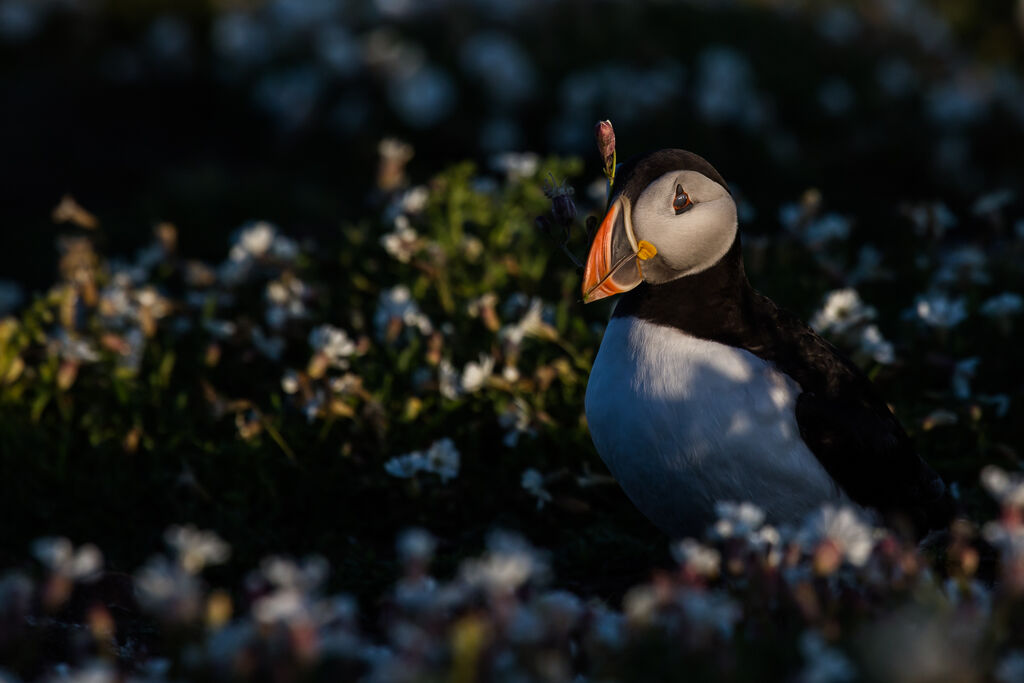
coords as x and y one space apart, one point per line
705 391
694 421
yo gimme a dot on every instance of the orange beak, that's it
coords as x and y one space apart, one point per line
612 266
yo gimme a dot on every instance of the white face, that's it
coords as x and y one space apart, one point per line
689 241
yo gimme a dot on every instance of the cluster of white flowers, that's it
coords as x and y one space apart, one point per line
170 588
442 459
403 243
62 559
509 563
334 343
498 605
254 244
286 301
396 310
845 528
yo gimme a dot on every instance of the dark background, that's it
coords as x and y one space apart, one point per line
209 113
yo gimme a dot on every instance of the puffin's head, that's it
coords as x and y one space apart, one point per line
671 216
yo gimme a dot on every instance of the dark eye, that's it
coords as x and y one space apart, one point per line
682 200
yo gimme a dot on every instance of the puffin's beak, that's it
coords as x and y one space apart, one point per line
612 266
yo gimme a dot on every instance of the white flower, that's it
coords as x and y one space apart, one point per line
72 348
286 301
1003 305
334 343
823 664
416 545
711 612
516 420
414 200
736 519
966 264
993 201
476 373
403 243
937 310
516 165
829 227
842 311
874 345
448 380
347 384
842 526
1006 488
295 585
305 576
697 557
510 373
640 603
442 459
290 382
405 466
282 605
256 238
222 329
60 557
934 218
533 482
167 590
532 324
397 304
253 243
509 563
963 373
196 549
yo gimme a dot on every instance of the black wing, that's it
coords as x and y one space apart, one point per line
851 430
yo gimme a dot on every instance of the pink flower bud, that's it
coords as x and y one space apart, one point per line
605 135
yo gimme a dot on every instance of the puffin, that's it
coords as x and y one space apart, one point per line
704 390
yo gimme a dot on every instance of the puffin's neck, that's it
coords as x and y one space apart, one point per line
711 304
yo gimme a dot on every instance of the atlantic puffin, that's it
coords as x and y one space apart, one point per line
703 390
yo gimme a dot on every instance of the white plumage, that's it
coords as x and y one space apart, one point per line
682 422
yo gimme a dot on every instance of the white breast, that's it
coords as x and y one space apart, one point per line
683 422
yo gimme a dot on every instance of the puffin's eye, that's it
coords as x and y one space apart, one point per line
682 200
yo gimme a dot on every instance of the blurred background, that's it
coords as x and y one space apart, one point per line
208 113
